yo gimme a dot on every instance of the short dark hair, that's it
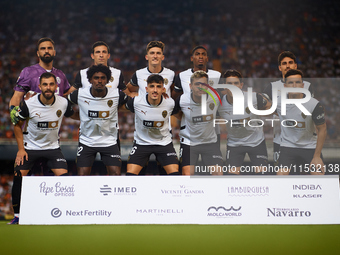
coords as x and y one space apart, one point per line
197 75
158 44
291 72
44 39
98 68
46 76
232 72
286 54
100 43
155 78
198 47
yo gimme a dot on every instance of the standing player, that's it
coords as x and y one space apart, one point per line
243 137
100 55
301 144
29 76
154 56
40 139
152 135
98 113
199 59
286 62
197 135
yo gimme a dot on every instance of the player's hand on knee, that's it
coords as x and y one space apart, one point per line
21 156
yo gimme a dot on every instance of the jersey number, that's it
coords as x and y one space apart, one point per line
133 150
79 150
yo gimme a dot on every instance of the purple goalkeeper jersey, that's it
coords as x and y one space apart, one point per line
29 80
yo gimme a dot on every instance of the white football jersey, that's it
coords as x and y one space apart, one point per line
151 122
43 122
241 132
184 79
197 128
98 116
141 75
303 135
116 80
276 124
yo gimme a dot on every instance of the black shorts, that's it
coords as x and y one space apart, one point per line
86 155
276 155
165 155
293 158
210 154
55 159
258 155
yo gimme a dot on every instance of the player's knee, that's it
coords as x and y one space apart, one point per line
17 173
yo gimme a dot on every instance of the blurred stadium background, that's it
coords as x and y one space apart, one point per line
244 35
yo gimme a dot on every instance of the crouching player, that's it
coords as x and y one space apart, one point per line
98 112
197 135
43 114
244 136
152 134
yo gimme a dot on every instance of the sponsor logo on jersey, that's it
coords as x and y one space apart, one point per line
38 114
48 124
320 116
110 103
143 112
88 102
98 114
59 112
164 113
203 118
300 124
154 124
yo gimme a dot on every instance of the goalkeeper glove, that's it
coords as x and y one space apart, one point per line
14 114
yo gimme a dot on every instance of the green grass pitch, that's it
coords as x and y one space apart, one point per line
169 239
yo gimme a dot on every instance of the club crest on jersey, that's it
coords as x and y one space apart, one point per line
211 106
110 103
166 81
59 112
58 80
111 79
164 113
303 115
247 110
211 83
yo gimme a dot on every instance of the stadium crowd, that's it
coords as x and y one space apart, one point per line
245 36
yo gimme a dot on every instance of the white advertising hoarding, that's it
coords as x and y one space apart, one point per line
180 200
